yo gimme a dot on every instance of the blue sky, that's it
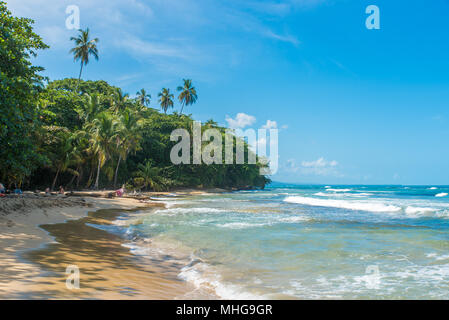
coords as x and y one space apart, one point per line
352 105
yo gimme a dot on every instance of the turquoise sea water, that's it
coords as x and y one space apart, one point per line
309 242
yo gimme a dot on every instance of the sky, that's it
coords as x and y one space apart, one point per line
352 105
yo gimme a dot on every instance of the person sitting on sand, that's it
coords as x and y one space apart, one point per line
120 192
61 190
18 191
47 191
2 188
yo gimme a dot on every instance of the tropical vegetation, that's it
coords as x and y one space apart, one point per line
90 134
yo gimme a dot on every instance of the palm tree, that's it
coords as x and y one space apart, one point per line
64 155
84 47
143 98
188 94
165 99
150 176
211 124
128 137
119 100
102 135
91 106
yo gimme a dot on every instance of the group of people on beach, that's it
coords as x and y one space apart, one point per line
4 191
18 191
61 191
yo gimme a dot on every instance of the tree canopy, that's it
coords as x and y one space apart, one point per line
20 83
90 134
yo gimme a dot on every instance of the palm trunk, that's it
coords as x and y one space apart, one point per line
80 176
91 175
98 174
182 107
54 180
74 176
79 77
116 170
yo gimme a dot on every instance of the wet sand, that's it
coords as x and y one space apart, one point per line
108 270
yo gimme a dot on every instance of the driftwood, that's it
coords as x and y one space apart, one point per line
90 194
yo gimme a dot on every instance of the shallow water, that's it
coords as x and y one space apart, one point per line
353 242
107 269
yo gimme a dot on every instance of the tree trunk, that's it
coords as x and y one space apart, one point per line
116 170
74 176
98 174
54 180
80 176
79 77
182 107
91 174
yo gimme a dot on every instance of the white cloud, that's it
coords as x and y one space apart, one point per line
271 124
241 121
284 38
319 167
147 48
319 163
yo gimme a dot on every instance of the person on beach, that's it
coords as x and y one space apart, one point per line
2 188
47 191
120 192
61 190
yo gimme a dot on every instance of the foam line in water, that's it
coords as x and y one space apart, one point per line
343 204
204 276
440 195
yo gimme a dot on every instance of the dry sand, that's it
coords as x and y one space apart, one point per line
58 232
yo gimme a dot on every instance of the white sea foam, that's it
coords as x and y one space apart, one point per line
296 218
344 204
440 195
241 225
174 211
437 257
204 276
412 211
339 194
338 190
433 188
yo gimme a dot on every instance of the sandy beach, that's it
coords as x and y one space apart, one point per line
41 236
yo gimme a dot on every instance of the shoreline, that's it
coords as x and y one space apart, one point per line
39 242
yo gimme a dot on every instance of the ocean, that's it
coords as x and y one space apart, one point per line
302 241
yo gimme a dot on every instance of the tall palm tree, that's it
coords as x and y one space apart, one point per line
143 98
188 94
64 156
84 47
165 99
102 133
128 137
